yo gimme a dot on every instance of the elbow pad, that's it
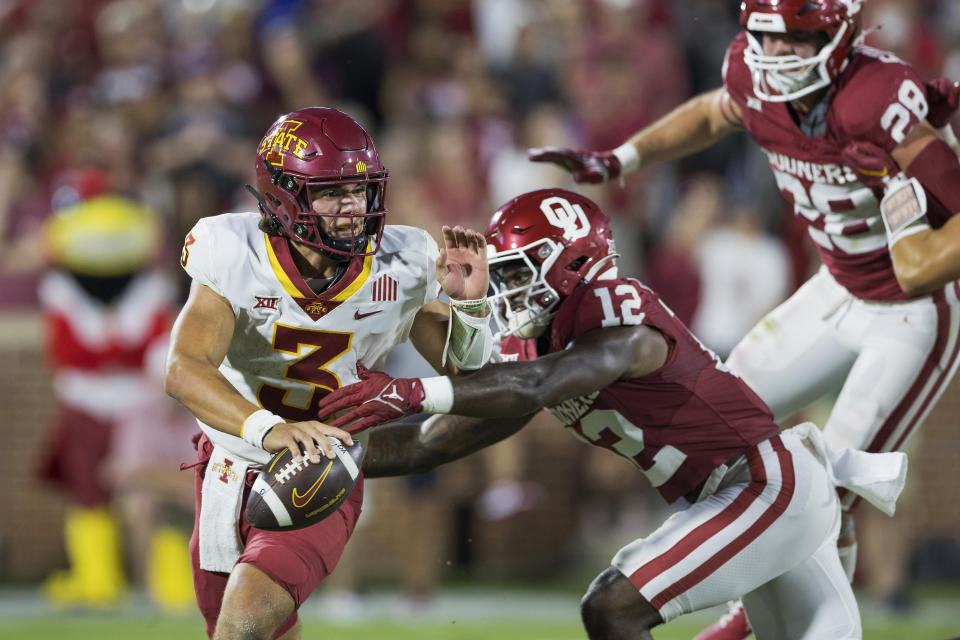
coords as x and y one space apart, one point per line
469 340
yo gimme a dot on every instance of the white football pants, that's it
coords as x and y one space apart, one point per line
890 361
768 534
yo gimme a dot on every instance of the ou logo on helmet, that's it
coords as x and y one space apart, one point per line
569 217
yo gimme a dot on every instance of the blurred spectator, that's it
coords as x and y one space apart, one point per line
744 273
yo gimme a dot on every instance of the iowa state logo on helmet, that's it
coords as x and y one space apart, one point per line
281 141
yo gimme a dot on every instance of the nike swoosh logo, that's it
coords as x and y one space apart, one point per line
300 501
360 316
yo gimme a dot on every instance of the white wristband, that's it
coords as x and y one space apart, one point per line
628 156
469 340
257 425
437 394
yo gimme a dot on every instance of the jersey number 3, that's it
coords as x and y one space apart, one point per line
324 347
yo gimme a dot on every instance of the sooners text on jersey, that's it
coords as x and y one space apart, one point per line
877 98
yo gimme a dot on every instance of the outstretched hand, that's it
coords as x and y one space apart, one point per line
586 166
462 265
943 96
376 399
873 166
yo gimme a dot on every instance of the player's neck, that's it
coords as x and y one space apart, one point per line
311 263
803 104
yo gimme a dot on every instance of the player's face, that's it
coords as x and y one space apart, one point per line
345 199
514 276
804 44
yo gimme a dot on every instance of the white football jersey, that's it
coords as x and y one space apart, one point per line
290 347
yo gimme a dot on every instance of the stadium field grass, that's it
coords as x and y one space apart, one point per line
108 627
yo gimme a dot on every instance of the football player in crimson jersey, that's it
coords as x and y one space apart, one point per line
284 303
800 82
758 515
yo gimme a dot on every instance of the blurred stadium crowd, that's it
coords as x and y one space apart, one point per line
163 101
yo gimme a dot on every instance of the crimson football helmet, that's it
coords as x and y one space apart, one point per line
313 148
785 78
558 240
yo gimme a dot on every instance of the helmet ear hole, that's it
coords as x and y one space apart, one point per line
576 264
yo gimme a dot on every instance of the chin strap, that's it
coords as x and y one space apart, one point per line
469 338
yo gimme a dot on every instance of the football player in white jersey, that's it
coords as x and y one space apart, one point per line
284 303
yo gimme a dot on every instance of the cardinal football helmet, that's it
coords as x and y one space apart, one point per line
559 239
312 148
785 78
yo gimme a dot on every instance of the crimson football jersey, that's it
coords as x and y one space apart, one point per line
878 98
676 424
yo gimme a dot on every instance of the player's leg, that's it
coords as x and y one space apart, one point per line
907 357
792 356
773 511
812 601
613 608
254 606
278 571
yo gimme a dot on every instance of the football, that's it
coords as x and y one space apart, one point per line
291 495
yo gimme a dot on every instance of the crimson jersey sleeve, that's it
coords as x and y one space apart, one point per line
604 303
879 99
736 76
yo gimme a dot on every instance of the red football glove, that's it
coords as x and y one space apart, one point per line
943 97
586 166
873 165
377 398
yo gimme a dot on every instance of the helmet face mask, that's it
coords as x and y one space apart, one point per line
782 78
523 301
540 247
311 150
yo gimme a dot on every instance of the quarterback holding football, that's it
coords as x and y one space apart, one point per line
800 81
284 303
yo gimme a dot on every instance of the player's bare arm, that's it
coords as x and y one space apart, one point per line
405 448
508 389
594 360
198 344
461 330
923 259
694 125
928 259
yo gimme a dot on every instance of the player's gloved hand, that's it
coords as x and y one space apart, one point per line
376 399
943 97
873 166
586 166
